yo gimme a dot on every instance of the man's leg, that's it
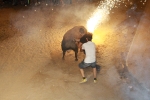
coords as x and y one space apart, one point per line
94 73
84 79
82 72
83 65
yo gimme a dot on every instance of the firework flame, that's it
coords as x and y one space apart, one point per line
101 14
96 19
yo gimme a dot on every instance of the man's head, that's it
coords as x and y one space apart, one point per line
86 37
89 36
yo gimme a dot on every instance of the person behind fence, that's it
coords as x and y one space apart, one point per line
90 58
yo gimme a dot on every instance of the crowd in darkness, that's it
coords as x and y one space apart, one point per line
37 2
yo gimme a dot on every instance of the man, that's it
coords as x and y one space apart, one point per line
90 57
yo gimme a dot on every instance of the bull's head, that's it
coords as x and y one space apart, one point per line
82 31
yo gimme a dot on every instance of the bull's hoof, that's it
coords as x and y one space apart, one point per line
63 59
76 59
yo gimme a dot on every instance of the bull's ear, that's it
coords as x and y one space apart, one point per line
81 30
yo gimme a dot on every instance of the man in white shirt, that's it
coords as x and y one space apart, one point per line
90 57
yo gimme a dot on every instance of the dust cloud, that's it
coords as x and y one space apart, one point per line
31 64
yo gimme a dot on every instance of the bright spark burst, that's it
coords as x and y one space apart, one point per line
101 14
95 20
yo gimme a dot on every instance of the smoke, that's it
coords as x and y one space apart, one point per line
105 8
131 89
101 13
36 22
139 66
45 25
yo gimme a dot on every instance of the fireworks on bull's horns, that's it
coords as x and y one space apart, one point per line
100 15
94 21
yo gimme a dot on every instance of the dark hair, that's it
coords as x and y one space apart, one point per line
89 36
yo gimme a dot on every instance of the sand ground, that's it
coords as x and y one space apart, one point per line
31 67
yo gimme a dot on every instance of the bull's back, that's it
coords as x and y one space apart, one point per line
70 37
74 33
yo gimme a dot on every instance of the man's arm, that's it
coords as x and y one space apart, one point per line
83 49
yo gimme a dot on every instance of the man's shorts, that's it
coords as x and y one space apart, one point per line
83 65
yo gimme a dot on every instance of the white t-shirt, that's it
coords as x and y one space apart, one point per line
90 52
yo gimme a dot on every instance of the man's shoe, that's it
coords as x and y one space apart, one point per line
95 81
83 80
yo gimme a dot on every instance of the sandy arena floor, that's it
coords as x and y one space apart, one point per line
31 67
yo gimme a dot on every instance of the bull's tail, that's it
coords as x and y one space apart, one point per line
63 45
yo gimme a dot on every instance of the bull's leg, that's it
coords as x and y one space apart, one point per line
76 54
76 59
64 54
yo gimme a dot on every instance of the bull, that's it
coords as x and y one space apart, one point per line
71 40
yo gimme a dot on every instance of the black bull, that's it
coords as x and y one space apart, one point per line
71 40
